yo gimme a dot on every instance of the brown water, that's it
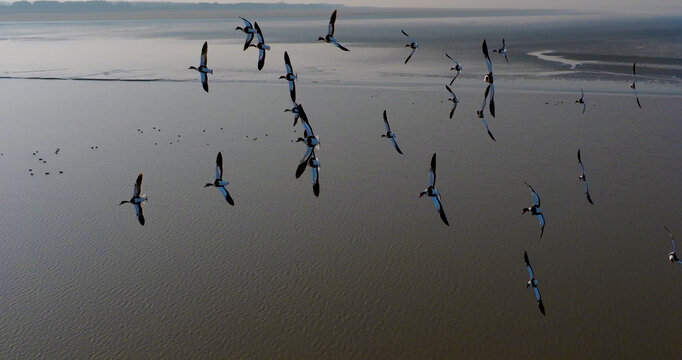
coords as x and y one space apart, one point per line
367 270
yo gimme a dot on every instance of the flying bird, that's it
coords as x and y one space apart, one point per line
412 45
260 46
633 86
137 200
457 68
389 134
219 182
433 193
454 100
290 77
294 110
309 139
535 209
329 38
202 69
672 256
583 177
533 282
503 50
248 30
582 99
489 79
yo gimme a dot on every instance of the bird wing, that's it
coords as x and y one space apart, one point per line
672 240
226 195
333 41
316 180
454 107
541 221
432 171
304 121
450 91
488 62
439 208
386 125
410 56
633 71
204 81
580 163
449 57
455 78
304 161
488 129
219 166
261 58
582 93
504 46
332 21
584 106
204 52
292 90
395 145
528 267
249 39
138 186
536 197
537 294
139 213
259 33
247 23
587 192
404 33
287 63
491 106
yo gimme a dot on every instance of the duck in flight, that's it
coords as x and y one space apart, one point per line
294 110
219 182
137 200
261 46
583 178
412 45
454 100
489 79
503 50
457 68
290 77
309 139
248 30
389 134
533 282
202 69
433 193
582 99
535 209
329 38
672 256
633 86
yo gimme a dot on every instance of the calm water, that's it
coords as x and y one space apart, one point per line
367 270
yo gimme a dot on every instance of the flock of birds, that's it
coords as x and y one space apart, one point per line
312 142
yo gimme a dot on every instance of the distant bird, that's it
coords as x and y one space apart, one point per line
389 134
329 38
219 182
582 99
433 193
412 45
535 209
489 79
202 69
633 86
583 177
533 282
260 46
294 110
454 100
672 256
248 30
290 77
137 200
503 50
457 68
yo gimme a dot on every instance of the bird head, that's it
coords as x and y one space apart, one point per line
282 77
239 28
192 67
524 210
208 184
123 202
300 139
320 38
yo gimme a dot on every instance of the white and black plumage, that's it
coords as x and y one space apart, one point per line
503 50
329 38
457 68
314 165
309 139
220 182
294 110
535 209
290 77
454 100
633 86
389 134
480 115
583 178
412 45
672 257
488 78
248 30
261 46
137 200
533 282
433 193
202 69
582 99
